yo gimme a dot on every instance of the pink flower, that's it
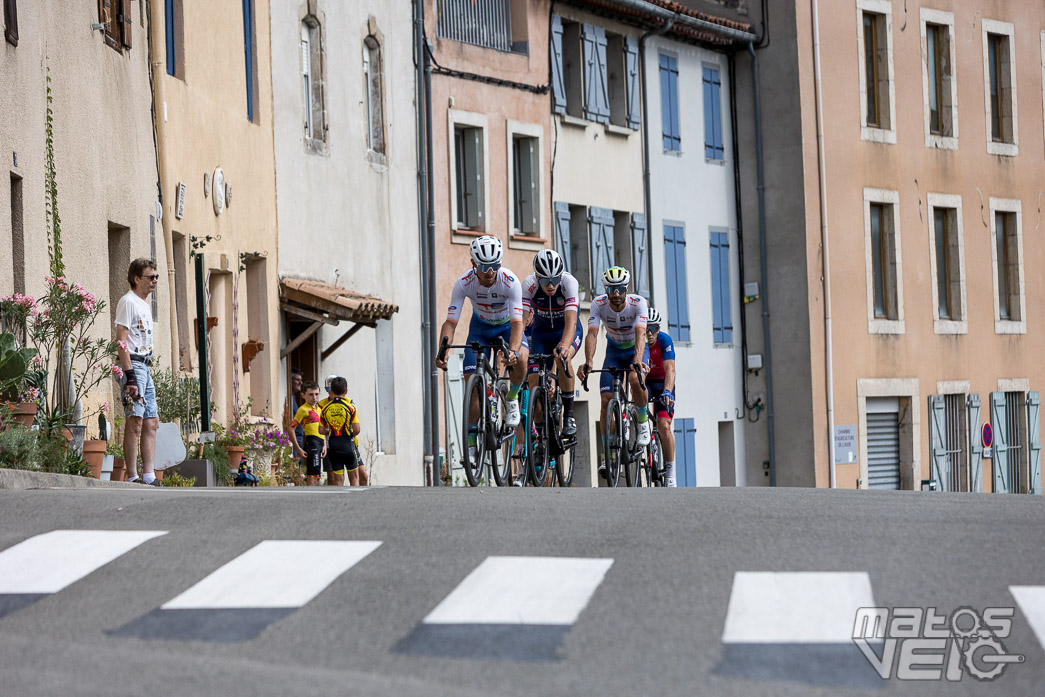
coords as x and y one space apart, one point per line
105 407
117 370
122 344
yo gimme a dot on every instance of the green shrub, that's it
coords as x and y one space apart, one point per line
172 478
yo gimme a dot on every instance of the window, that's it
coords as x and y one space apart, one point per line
497 24
315 129
675 276
601 224
526 190
622 60
595 75
11 21
713 148
883 264
721 297
181 299
940 88
115 16
468 191
17 234
876 71
375 109
575 247
1016 420
250 57
949 441
257 295
999 72
669 102
173 16
1007 258
947 250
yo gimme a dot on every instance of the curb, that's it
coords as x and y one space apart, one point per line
25 479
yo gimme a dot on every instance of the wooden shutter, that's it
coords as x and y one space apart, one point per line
669 102
602 76
558 73
601 229
682 286
941 465
975 445
639 258
1034 440
685 452
473 177
125 20
591 95
720 288
562 233
11 21
1002 456
631 77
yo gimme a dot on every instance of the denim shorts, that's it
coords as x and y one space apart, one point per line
145 406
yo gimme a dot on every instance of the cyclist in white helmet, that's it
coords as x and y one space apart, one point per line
497 311
550 305
624 315
660 381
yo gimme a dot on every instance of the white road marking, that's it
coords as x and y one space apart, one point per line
274 574
1031 600
795 607
522 590
50 562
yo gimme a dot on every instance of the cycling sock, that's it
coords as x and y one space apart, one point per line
149 477
472 439
643 415
567 405
513 391
669 472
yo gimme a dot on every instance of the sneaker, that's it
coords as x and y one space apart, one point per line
671 482
473 454
602 471
519 482
642 437
511 415
155 482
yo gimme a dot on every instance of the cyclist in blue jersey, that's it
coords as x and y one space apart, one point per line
660 382
550 304
624 315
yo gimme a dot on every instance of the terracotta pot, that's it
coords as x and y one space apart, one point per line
235 455
94 453
24 412
75 434
119 470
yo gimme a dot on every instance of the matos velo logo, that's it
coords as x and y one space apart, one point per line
920 644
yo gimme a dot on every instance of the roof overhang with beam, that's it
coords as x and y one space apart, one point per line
329 304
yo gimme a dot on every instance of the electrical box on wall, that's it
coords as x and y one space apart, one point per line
754 362
750 292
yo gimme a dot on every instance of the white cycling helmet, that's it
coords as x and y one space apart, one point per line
616 276
548 264
654 317
487 250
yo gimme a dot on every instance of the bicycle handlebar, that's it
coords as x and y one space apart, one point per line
634 367
546 357
480 349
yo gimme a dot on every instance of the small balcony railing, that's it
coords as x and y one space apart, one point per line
480 22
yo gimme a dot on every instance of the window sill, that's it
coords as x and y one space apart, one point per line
878 135
886 326
673 153
377 160
623 131
460 236
720 161
532 244
314 146
950 326
1009 326
574 121
938 142
1003 149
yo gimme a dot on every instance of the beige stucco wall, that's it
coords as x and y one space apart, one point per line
202 125
981 356
103 147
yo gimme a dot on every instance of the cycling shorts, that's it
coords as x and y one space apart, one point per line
484 333
544 341
617 358
340 457
656 389
313 456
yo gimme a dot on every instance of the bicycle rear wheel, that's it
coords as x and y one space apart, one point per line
564 460
658 477
629 463
501 456
613 442
474 394
643 472
538 455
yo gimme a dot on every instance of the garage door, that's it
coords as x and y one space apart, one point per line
883 447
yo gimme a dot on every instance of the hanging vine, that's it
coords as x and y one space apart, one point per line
54 222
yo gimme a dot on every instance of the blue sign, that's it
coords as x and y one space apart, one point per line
988 435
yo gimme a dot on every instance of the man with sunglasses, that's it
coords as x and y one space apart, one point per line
550 308
135 341
497 311
624 315
660 381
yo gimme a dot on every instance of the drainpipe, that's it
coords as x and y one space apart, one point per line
646 150
826 278
760 168
433 373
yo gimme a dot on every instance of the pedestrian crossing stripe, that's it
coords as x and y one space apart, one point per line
1031 600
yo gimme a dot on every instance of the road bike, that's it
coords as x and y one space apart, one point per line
620 451
486 393
546 448
651 470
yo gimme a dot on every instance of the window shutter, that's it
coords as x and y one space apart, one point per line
602 76
937 443
558 74
11 21
562 233
631 75
680 280
528 185
125 19
716 290
169 17
591 94
671 278
1034 440
724 294
473 177
716 113
1002 485
601 227
975 445
685 452
669 116
640 260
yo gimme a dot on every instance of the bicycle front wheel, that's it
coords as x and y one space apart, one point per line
656 459
613 442
537 455
631 455
474 455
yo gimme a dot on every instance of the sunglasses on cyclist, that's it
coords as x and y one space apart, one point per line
553 281
616 290
486 268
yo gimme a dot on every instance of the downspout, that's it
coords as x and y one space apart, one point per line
159 139
739 212
433 374
760 168
826 277
646 150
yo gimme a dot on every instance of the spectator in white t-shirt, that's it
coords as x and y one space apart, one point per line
135 339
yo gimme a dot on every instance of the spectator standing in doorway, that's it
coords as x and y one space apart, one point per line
290 408
135 340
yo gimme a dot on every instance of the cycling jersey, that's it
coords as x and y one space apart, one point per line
499 304
620 326
549 311
662 349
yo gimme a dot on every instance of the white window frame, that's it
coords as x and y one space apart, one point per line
456 117
947 326
891 387
991 26
877 325
871 133
1007 205
931 139
530 130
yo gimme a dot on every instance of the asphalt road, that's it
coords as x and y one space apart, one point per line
506 592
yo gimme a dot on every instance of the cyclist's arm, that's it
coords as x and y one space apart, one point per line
640 330
515 314
515 341
669 375
570 329
591 342
571 308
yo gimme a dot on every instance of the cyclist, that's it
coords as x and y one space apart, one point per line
497 311
625 317
550 308
660 383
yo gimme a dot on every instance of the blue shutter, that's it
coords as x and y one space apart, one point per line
562 233
669 102
999 420
1034 440
602 76
670 277
975 445
558 76
601 229
709 127
717 114
591 85
639 259
713 147
685 452
631 75
681 283
721 297
171 63
248 53
940 460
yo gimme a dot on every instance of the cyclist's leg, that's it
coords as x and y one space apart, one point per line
615 358
477 331
667 434
568 384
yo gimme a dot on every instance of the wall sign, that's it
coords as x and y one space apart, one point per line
845 445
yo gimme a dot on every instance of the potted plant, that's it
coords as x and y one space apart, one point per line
18 370
265 441
114 449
